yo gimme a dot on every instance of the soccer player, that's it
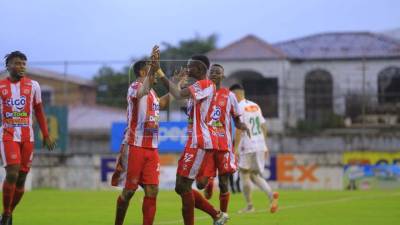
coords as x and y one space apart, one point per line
20 98
138 163
252 151
225 107
201 140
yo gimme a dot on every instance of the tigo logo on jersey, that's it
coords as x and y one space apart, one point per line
155 107
19 103
216 114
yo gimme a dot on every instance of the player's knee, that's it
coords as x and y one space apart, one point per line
127 194
223 187
12 173
21 179
201 183
151 190
179 189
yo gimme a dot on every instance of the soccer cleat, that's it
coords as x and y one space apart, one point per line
221 219
5 220
274 203
248 209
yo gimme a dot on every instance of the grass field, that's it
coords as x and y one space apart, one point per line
53 207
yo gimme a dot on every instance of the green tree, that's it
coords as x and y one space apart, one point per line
113 85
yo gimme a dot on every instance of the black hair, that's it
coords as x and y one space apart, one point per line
138 66
202 58
15 54
219 65
236 87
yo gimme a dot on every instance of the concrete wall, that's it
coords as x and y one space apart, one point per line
347 77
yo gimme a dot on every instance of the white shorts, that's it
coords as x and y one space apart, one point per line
254 161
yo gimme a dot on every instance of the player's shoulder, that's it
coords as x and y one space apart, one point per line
135 85
205 83
250 106
4 81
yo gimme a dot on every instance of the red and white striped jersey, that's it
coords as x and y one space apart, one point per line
224 107
143 118
17 102
200 134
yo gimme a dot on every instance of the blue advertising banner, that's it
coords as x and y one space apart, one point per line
172 136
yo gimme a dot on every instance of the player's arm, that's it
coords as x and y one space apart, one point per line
264 129
41 118
241 126
174 89
144 89
263 123
164 101
147 84
235 113
238 135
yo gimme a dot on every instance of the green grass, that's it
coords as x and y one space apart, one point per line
53 207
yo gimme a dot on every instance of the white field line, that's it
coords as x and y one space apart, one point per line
327 202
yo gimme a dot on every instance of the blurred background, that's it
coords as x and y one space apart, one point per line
326 75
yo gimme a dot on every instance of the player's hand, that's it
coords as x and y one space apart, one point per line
180 77
49 143
155 58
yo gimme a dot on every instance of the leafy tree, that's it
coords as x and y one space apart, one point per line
113 85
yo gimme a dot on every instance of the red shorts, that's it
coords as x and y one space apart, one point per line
222 161
194 162
17 153
143 167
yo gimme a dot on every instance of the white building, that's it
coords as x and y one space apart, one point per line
310 77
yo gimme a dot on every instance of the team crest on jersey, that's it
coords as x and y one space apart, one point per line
222 103
27 91
4 92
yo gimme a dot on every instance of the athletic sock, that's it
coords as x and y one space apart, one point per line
149 210
263 185
8 196
202 204
223 201
188 208
19 192
208 191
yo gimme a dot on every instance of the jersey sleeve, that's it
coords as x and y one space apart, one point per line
201 89
260 115
235 109
37 93
133 90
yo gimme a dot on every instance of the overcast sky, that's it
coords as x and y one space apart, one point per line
56 30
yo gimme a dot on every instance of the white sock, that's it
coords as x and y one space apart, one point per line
262 184
246 184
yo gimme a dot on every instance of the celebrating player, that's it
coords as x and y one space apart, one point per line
138 163
225 107
252 151
20 96
201 139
